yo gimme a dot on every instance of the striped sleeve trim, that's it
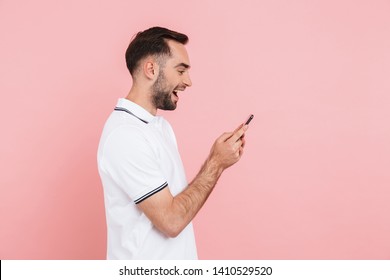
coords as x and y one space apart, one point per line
149 194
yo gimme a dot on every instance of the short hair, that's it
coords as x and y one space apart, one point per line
152 41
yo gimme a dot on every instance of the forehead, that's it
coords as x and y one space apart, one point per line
178 53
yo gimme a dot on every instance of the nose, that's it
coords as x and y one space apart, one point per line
187 80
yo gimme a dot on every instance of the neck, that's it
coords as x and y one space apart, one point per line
142 98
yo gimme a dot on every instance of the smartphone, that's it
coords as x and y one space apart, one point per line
249 119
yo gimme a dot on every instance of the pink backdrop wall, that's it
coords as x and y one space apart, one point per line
314 180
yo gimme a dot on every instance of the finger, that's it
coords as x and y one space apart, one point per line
238 128
239 133
241 151
225 136
243 141
237 145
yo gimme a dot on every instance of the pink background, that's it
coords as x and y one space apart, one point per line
314 180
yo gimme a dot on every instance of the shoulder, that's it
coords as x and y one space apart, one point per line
124 141
168 130
127 135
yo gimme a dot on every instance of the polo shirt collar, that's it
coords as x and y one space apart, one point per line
134 109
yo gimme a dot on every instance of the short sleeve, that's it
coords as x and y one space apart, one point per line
132 163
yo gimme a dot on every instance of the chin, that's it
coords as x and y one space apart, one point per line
170 107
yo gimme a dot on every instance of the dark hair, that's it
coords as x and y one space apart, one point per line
152 41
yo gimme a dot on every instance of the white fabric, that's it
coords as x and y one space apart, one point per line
138 156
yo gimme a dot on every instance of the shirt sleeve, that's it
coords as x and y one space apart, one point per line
131 161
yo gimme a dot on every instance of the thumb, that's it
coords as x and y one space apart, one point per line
224 137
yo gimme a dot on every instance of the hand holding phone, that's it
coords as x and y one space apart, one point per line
250 118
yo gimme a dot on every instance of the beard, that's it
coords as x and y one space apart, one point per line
162 95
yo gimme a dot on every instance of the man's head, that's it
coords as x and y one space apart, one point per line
151 42
158 58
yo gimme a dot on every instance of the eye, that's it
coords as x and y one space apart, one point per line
181 72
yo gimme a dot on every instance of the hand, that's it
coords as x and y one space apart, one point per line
228 148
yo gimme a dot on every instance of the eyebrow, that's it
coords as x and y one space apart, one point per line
183 65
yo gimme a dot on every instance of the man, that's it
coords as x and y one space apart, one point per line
149 204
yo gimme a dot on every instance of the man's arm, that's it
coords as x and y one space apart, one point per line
171 214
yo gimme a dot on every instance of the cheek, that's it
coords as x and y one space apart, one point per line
172 78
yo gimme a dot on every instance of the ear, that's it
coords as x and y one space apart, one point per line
150 69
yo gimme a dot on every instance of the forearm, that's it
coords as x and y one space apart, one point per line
188 203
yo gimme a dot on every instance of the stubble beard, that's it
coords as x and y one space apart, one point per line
161 97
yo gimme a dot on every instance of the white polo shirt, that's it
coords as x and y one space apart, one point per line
138 157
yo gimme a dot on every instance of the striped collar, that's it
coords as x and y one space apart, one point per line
134 109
